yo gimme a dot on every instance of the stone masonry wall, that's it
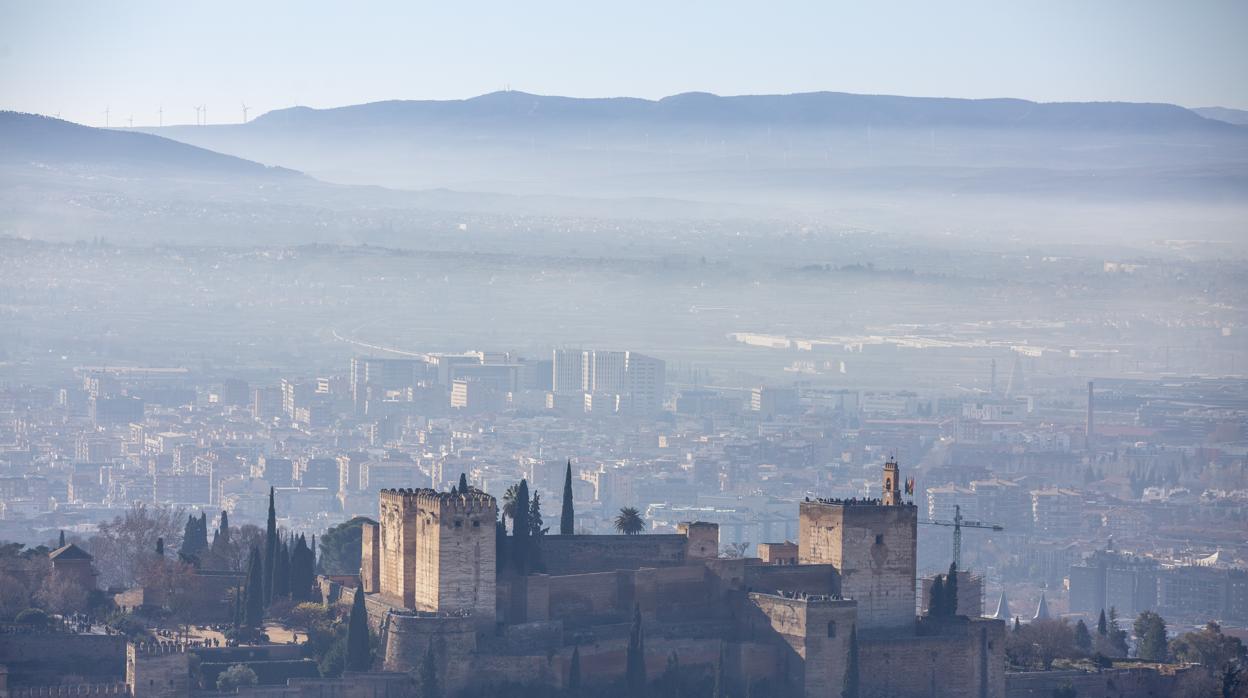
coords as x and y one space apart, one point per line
873 547
966 661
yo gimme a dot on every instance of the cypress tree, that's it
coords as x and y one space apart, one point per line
850 689
535 515
253 609
500 544
429 675
463 483
203 531
223 532
719 689
190 538
160 547
60 543
567 518
270 550
301 574
281 573
1017 625
951 591
520 529
635 659
574 673
358 658
936 598
1102 626
312 549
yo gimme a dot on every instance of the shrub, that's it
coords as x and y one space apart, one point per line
33 616
234 677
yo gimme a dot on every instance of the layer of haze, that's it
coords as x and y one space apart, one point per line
77 59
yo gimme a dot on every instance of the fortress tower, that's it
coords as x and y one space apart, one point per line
434 551
873 546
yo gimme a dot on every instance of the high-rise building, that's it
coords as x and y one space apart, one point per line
645 383
567 371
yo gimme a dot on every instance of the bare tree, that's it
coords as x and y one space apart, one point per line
125 546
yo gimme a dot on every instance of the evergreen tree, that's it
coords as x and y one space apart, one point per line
281 573
850 687
160 547
358 651
635 659
463 483
567 519
1102 628
520 529
222 539
720 688
1083 638
535 516
202 530
950 606
936 598
190 538
238 606
302 576
60 543
1017 624
574 674
253 605
270 550
315 562
429 675
1150 628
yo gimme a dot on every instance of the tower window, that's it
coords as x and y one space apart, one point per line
879 539
476 524
458 523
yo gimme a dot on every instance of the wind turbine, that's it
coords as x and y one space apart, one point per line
244 112
106 116
160 114
131 121
196 115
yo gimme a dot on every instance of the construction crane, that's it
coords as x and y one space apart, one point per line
958 524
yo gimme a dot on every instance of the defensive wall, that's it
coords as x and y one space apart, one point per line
962 658
45 658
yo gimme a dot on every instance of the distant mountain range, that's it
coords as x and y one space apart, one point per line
1239 117
707 147
30 139
864 161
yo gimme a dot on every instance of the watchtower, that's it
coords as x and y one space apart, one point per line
157 670
872 544
436 550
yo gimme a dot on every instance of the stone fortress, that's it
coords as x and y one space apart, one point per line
430 573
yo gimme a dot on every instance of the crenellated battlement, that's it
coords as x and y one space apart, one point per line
470 502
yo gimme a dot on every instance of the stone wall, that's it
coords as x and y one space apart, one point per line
43 658
1108 683
812 635
437 551
873 547
966 659
583 554
161 671
807 579
370 557
352 685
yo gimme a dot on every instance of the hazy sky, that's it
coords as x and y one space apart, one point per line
77 58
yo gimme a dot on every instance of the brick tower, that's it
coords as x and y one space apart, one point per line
436 551
873 546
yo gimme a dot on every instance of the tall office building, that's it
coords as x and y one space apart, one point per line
645 382
567 371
